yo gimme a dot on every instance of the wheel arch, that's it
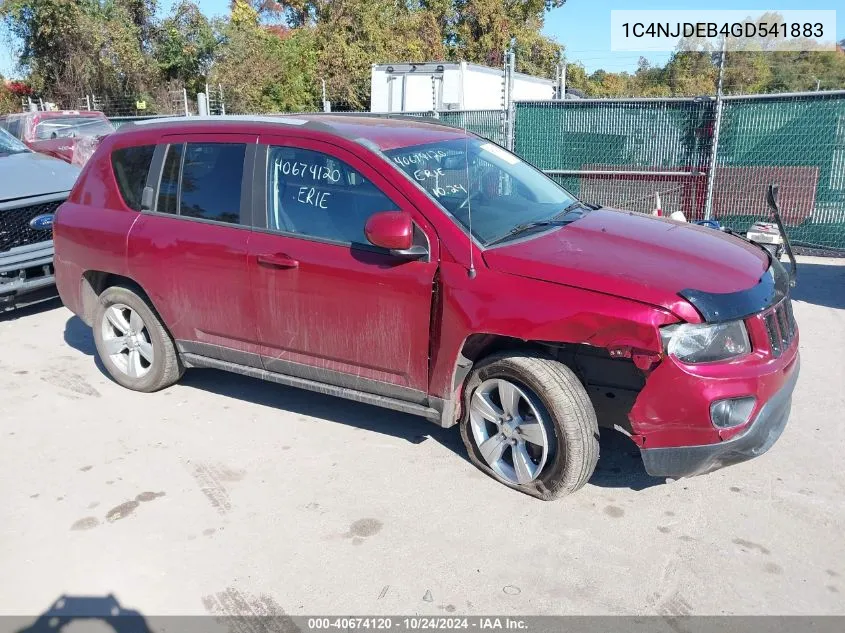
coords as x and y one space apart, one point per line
612 382
95 282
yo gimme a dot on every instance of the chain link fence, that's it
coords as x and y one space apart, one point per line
638 153
622 153
797 141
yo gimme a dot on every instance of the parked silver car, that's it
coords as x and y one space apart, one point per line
32 186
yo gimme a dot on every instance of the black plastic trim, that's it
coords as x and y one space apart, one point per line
156 166
718 307
259 188
344 380
301 370
220 352
196 360
247 185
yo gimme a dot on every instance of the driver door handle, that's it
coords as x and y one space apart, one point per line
277 260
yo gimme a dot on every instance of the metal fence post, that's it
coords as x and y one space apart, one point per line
327 107
202 104
185 99
503 114
509 141
717 127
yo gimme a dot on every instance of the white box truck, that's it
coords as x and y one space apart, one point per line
449 86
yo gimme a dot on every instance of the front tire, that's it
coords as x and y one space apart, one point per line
132 342
528 422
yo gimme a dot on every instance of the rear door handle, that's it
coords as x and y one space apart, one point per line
277 260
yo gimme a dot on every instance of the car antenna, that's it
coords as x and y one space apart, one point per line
471 271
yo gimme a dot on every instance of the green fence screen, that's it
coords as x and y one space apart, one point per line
639 153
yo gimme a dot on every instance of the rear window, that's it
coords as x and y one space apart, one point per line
131 165
211 181
72 127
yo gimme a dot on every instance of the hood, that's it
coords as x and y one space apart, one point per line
30 174
636 256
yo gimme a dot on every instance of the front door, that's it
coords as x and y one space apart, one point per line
330 306
190 251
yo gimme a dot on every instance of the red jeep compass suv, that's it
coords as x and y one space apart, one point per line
417 267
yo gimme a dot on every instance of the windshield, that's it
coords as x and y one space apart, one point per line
10 145
502 190
72 126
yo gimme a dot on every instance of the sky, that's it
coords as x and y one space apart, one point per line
582 26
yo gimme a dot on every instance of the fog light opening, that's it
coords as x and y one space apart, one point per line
731 412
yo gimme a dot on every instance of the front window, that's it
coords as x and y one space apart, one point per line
10 145
71 127
501 191
317 195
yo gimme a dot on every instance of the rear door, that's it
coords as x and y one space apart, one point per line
189 250
330 306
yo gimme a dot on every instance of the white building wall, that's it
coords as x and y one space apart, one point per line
379 90
482 89
527 88
456 87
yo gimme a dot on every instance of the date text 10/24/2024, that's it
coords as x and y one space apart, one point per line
419 623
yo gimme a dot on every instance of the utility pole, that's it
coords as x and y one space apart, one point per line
717 125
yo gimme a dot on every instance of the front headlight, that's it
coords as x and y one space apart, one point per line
705 342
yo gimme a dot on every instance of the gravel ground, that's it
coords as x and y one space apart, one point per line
223 494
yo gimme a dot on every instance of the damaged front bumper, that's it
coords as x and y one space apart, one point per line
756 439
26 275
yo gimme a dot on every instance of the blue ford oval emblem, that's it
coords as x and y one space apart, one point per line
42 222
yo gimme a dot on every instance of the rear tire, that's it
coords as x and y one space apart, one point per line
563 449
132 342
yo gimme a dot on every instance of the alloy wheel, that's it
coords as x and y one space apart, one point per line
510 432
126 340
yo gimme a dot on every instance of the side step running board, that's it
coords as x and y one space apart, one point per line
195 360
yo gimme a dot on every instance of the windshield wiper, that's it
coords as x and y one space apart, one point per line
570 207
525 227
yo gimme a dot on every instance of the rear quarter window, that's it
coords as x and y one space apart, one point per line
130 165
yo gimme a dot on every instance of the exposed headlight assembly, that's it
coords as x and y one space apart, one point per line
705 342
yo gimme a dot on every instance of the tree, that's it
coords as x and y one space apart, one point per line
351 35
481 30
692 73
261 71
73 48
142 14
185 45
9 101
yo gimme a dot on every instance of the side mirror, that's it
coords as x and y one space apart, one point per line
394 230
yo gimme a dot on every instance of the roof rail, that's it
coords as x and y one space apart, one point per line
390 115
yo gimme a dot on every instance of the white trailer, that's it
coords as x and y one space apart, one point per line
449 86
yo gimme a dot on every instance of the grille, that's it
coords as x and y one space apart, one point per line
14 225
780 326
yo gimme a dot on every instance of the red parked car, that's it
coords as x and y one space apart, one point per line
417 267
70 135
